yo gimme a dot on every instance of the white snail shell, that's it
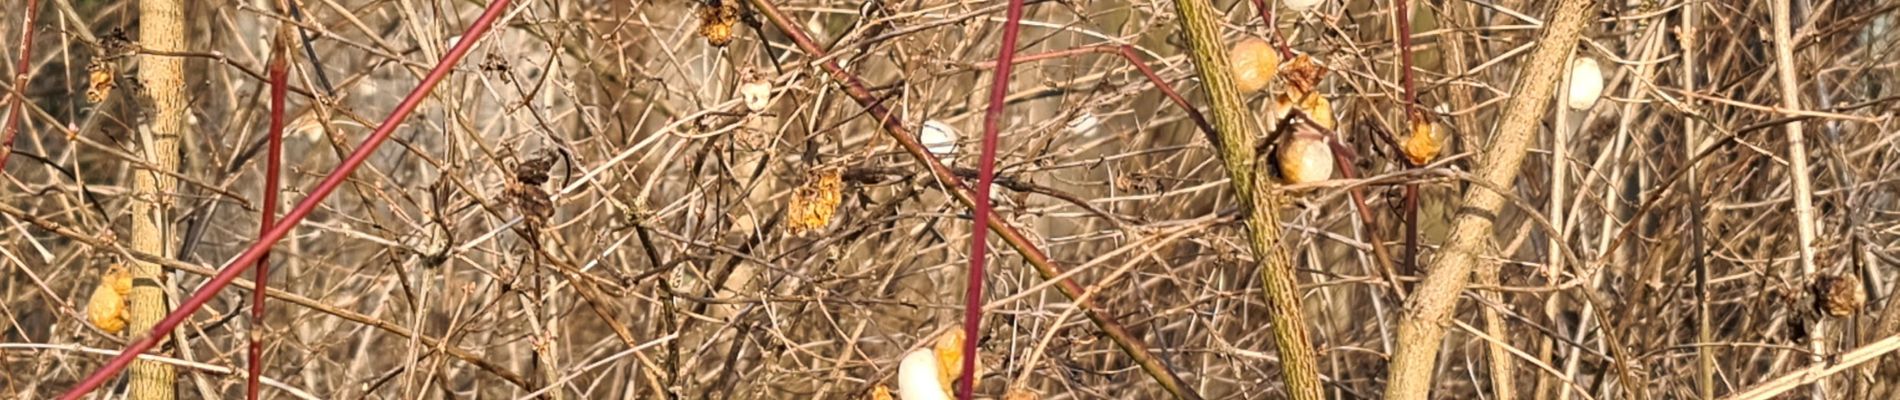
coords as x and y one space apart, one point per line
940 139
1586 84
917 377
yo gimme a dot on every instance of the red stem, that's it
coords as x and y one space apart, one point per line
20 76
279 86
303 209
1404 42
985 174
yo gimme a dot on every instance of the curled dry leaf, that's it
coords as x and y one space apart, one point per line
1425 142
1302 74
1838 296
106 308
716 21
815 201
1255 64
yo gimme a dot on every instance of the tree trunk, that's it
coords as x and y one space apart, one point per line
162 29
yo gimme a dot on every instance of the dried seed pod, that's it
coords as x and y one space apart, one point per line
106 308
716 21
1255 64
1838 296
1425 142
1586 84
815 201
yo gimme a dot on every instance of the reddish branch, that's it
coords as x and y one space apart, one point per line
895 128
20 75
986 173
1404 42
303 209
279 85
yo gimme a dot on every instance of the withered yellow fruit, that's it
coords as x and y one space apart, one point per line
880 392
106 308
949 352
101 77
1255 64
1304 156
1315 106
1425 142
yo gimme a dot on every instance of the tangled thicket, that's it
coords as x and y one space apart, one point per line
787 248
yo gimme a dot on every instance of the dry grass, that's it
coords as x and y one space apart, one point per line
674 199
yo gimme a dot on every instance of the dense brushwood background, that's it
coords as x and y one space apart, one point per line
675 197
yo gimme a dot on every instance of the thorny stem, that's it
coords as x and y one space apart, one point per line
986 173
1258 193
895 128
20 75
279 85
303 209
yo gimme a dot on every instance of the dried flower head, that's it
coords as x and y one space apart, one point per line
106 308
1255 64
815 201
716 21
1838 296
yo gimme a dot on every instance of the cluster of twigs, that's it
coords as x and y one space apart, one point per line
1715 226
